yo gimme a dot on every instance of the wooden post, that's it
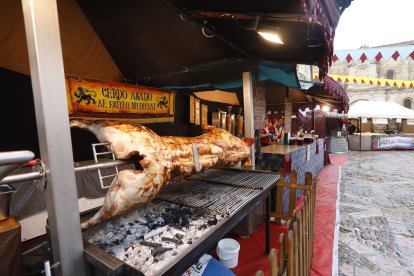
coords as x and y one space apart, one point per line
273 262
282 253
291 254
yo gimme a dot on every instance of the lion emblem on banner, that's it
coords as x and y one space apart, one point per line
85 95
162 102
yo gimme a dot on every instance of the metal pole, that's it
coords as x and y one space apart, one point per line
21 177
11 161
37 175
49 93
267 241
248 111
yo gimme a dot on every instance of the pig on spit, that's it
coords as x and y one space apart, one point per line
164 159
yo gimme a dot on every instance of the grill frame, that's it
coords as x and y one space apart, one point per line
104 262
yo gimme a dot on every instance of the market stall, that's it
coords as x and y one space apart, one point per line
381 125
89 46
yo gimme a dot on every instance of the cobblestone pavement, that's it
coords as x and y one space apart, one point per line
376 234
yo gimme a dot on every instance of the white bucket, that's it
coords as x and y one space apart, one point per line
228 252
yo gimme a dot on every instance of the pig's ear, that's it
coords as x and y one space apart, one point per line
249 141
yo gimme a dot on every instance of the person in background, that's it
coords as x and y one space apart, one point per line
265 135
351 128
271 127
279 130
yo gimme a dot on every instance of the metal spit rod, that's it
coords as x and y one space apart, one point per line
40 174
11 161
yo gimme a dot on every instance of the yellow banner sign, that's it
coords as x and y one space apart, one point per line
101 99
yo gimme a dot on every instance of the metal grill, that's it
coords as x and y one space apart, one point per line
220 198
239 178
221 190
225 192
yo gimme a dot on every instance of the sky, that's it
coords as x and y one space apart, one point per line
375 23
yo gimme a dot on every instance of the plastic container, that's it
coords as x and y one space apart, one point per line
228 252
5 198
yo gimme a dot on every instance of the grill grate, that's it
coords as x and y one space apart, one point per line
239 178
221 190
215 197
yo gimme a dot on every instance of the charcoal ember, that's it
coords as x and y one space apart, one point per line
151 217
160 220
172 240
169 218
184 222
201 227
170 210
179 236
190 242
187 210
155 232
150 244
130 223
212 222
159 250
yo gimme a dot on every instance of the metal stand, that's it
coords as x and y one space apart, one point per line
360 133
106 153
52 120
267 250
248 112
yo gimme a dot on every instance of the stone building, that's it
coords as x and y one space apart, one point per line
383 73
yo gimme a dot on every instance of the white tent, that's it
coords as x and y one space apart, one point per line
374 109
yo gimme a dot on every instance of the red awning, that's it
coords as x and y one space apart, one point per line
329 92
336 90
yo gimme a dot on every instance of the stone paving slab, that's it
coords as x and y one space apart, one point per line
377 214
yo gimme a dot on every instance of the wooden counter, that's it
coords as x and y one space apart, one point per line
281 148
10 247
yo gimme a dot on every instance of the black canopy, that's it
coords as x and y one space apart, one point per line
154 38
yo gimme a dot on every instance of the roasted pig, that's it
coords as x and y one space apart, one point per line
162 159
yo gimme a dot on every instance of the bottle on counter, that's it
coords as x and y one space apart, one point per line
239 123
286 138
228 119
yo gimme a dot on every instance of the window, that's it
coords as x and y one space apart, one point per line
407 103
390 74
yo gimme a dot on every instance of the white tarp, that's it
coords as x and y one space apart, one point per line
374 109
